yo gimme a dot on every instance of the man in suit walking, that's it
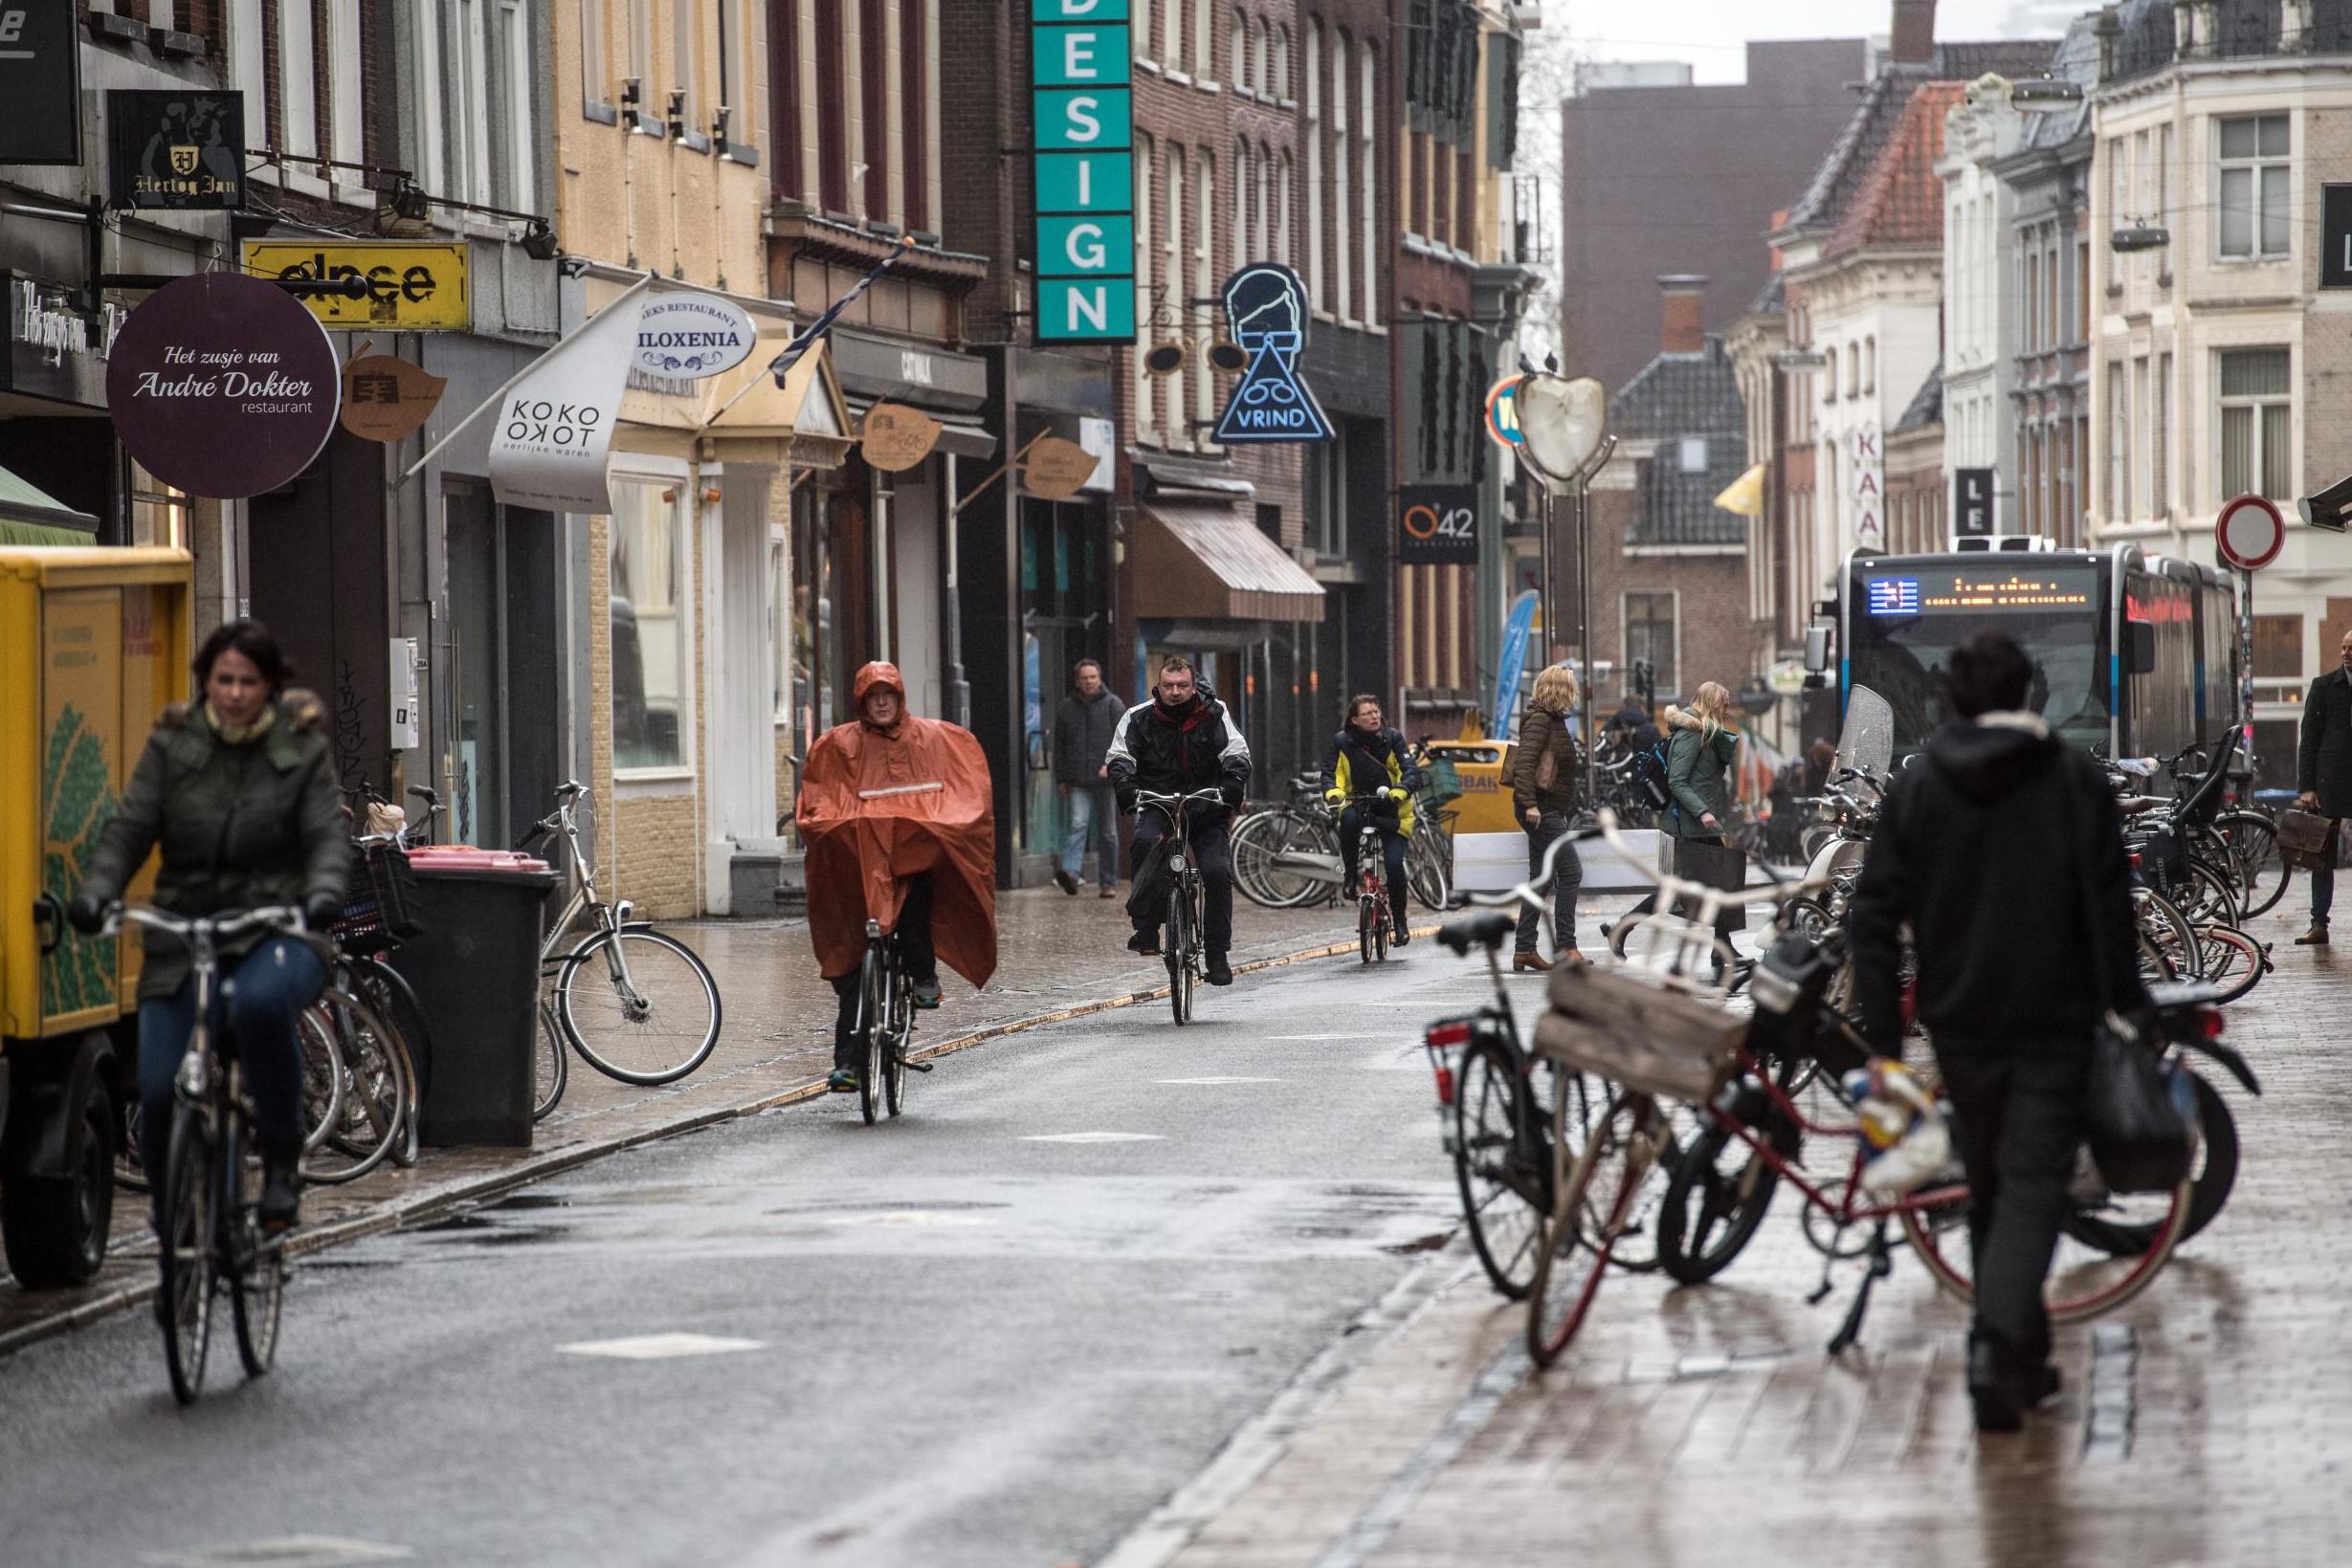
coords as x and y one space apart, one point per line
2324 773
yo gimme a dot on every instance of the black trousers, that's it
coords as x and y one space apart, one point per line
2017 1108
1391 853
1213 850
915 953
1568 879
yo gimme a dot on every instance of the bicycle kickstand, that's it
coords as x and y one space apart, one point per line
1881 1264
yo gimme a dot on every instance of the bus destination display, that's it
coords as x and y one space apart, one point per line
1976 592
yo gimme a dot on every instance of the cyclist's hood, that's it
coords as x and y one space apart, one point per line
1987 759
880 672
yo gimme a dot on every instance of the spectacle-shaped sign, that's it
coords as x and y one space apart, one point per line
1266 315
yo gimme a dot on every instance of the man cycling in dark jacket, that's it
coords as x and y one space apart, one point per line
1182 740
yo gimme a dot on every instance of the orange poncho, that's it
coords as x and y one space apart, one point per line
876 807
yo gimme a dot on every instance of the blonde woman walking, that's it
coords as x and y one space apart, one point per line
1543 775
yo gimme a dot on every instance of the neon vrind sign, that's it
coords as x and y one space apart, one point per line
1082 108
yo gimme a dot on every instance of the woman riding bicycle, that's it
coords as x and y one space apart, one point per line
1373 779
239 790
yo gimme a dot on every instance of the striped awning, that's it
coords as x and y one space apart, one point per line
30 515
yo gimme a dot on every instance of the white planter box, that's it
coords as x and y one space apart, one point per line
1498 862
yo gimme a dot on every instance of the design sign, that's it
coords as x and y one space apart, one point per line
223 385
1266 313
1082 108
178 151
1437 525
689 336
40 81
411 287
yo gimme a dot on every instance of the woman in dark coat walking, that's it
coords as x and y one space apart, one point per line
1543 775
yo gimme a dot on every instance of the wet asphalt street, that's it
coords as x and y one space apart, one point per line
997 1332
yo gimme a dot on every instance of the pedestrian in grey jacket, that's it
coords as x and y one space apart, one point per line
1083 730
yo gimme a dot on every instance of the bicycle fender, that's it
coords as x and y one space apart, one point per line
2237 1062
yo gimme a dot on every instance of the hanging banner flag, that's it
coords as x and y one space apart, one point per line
555 426
1266 313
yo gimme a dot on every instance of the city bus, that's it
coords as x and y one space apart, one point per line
2134 655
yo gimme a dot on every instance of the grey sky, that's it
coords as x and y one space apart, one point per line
1710 34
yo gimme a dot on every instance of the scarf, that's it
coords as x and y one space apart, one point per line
238 735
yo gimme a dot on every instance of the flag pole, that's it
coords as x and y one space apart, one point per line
807 337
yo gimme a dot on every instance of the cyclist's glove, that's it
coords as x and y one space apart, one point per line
320 910
86 915
1126 802
1235 794
1335 797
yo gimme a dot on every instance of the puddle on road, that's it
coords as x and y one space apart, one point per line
478 1228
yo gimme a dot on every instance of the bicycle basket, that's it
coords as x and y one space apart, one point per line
1638 1035
380 908
1443 783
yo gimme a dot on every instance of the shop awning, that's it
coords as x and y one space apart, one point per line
30 516
1208 562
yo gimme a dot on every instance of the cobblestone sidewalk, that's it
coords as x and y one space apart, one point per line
1057 954
2208 1422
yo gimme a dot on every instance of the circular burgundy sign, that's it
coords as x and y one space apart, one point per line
223 385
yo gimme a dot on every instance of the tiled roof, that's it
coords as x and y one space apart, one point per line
1926 404
1678 396
1901 201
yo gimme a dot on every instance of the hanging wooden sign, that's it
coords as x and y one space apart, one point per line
1057 470
387 399
895 438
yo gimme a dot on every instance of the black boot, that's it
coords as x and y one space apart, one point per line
282 1187
1220 973
1991 1389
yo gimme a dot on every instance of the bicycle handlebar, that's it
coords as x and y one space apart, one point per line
1530 893
1146 797
284 918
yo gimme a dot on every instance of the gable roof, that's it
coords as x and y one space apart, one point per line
1677 396
1900 202
1926 404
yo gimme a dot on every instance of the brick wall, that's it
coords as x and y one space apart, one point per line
1714 637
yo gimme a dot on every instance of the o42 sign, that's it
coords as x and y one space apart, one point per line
1437 525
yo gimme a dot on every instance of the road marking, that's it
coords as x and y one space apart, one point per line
1218 1080
1281 1037
907 1216
1091 1138
659 1347
286 1552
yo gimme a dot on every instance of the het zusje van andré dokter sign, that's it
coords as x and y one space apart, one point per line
1082 107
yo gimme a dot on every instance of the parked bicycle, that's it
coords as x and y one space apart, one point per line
1183 943
212 1239
637 1003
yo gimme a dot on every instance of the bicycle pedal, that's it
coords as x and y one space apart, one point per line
919 1067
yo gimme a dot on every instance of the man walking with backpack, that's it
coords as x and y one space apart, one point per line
2002 851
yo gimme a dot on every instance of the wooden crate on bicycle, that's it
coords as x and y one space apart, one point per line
1638 1034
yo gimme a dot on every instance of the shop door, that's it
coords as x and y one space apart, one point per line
742 698
473 752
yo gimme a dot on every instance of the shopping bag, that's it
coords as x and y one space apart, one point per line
1712 865
2139 1117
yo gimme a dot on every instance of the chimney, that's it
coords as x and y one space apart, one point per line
1914 42
1686 313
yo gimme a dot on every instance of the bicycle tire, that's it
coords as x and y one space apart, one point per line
1254 872
1501 1166
2168 943
397 1001
1582 1231
2252 842
660 988
1425 871
901 1029
1262 836
323 1086
378 1097
2230 960
872 1033
1364 917
258 1267
1938 1234
1180 952
2211 894
1694 1248
551 1063
2209 1185
185 1255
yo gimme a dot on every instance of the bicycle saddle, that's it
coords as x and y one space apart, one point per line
1486 930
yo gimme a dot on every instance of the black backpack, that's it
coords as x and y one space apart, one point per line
1650 775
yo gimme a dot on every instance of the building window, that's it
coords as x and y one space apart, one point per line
1261 57
1242 186
1283 214
2254 171
160 515
1368 167
1323 477
1278 84
1692 456
2159 439
1145 263
1203 283
1649 638
2278 647
1139 13
2257 403
2118 445
1239 44
1870 364
1828 375
1313 63
1343 293
650 647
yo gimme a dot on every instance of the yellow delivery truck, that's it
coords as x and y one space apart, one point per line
93 643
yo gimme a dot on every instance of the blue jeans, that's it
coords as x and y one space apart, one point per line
1094 819
273 984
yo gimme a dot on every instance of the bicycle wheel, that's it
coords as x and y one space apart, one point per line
2169 944
2208 894
2230 961
1259 841
1582 1231
872 1032
551 1063
324 1085
389 991
2262 877
1179 939
378 1094
1426 865
2210 1182
185 1255
258 1264
1715 1201
1502 1165
654 1025
2084 1280
901 1029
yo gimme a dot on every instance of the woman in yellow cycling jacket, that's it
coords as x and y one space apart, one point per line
1370 773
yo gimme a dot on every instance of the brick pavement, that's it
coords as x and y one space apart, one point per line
1706 1425
1056 954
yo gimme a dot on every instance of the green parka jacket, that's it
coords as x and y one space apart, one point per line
240 825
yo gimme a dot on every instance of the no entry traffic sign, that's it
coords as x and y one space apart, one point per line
2249 532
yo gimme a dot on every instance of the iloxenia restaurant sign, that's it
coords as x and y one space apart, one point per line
1083 111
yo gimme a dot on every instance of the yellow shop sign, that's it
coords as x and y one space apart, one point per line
411 287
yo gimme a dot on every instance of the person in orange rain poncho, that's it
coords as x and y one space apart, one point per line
896 814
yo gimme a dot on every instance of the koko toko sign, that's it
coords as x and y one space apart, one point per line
1083 110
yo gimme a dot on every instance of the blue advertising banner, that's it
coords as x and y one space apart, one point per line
1513 665
1082 115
